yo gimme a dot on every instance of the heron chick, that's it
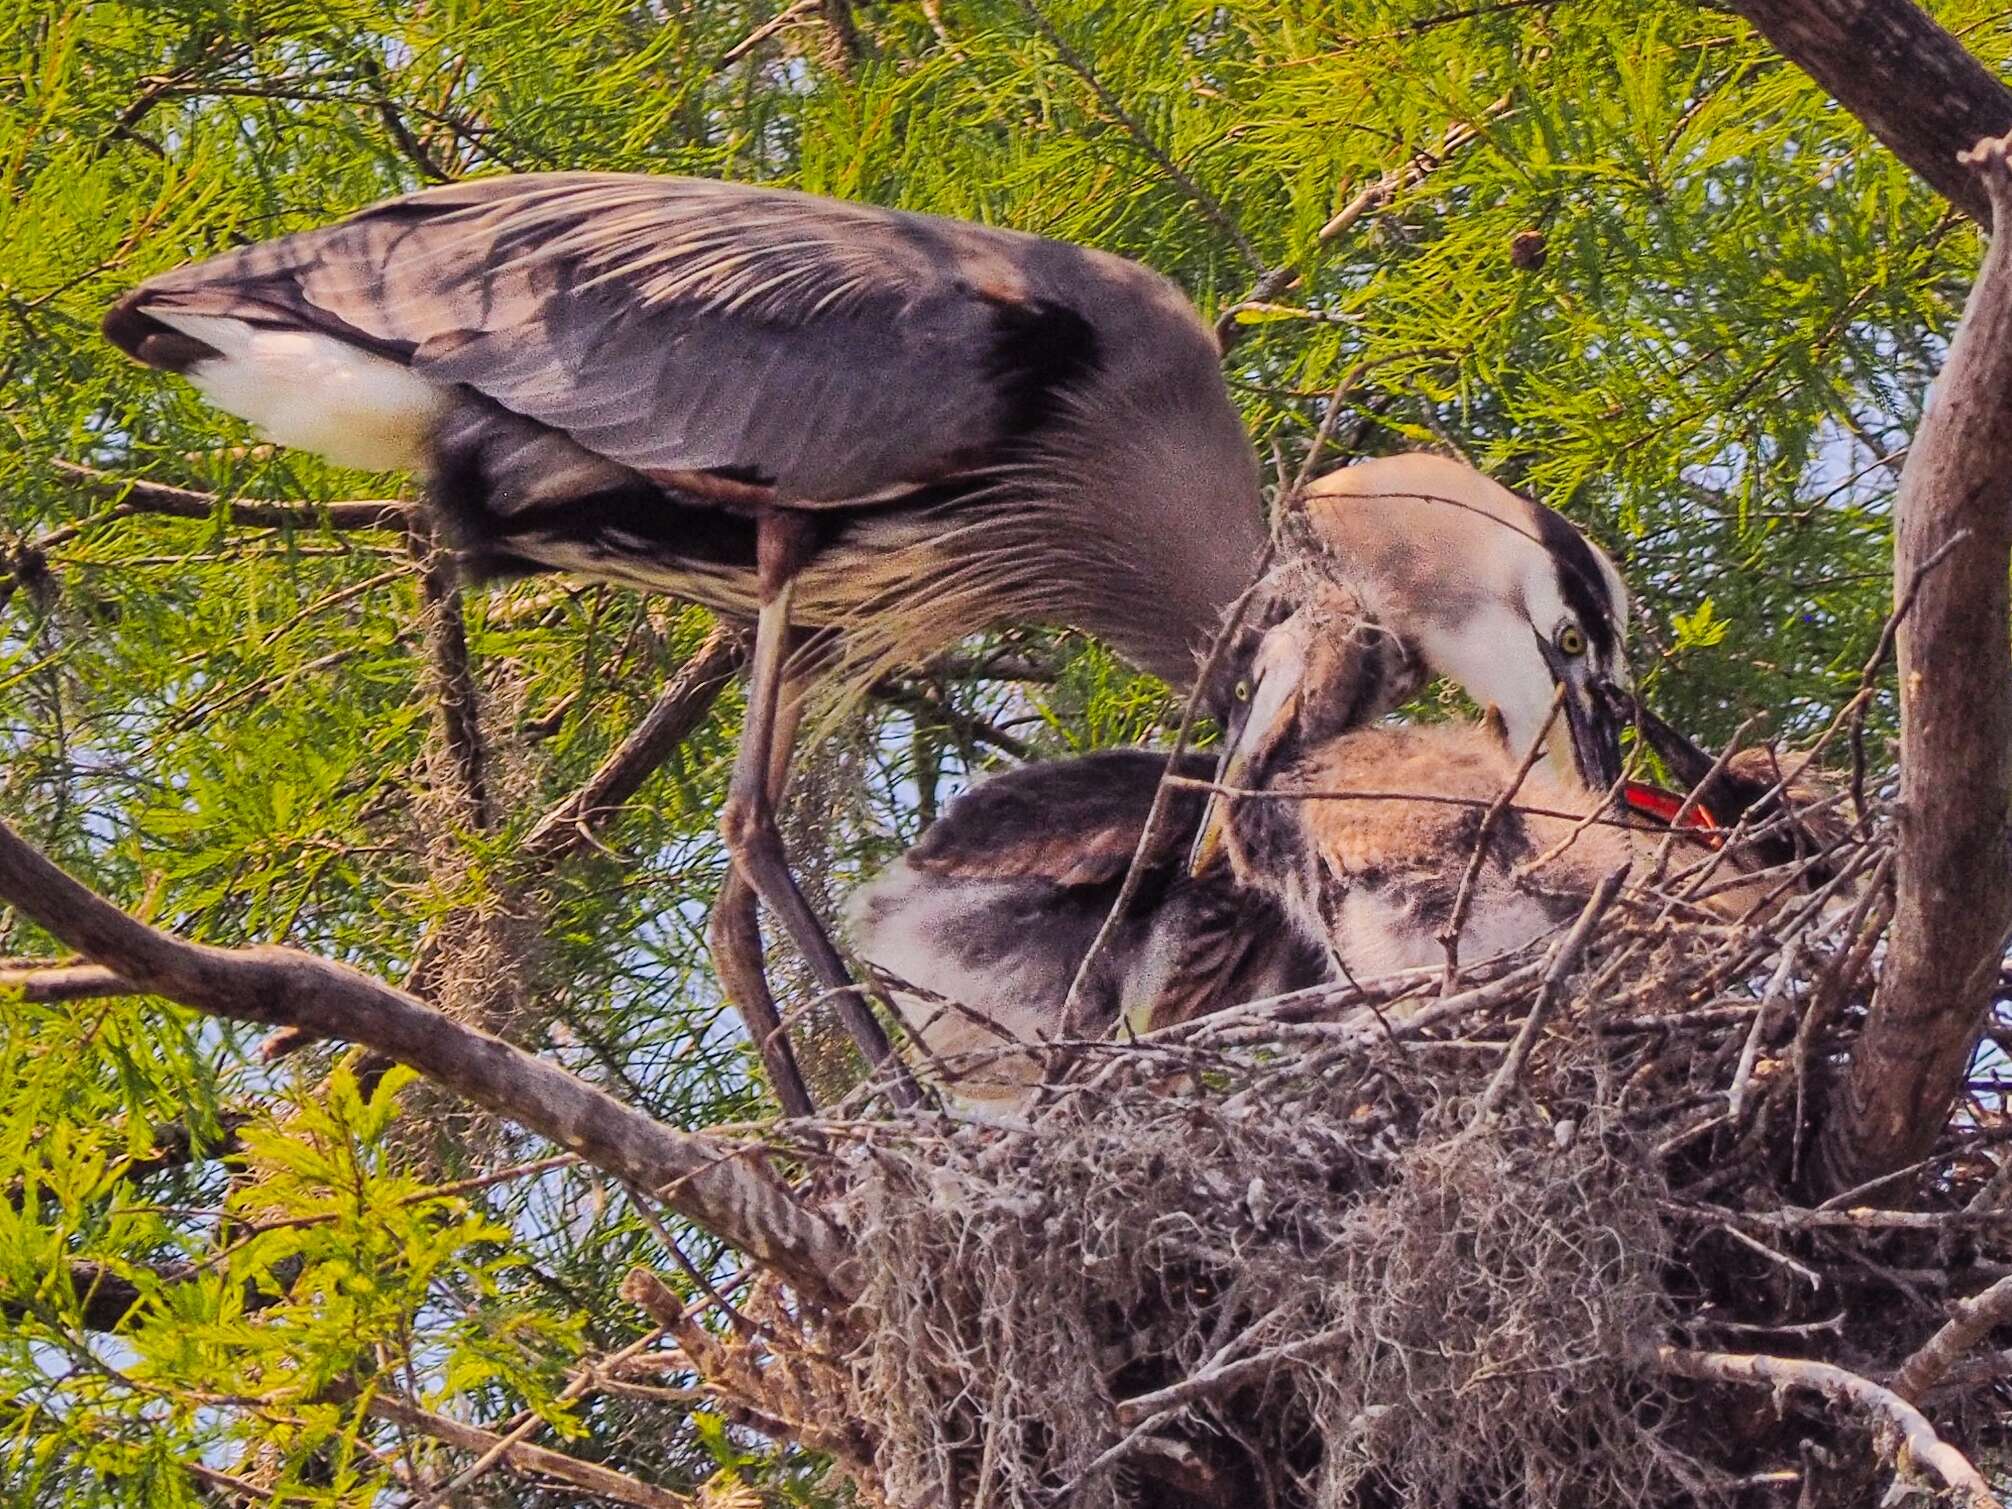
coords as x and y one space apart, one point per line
1399 568
1365 840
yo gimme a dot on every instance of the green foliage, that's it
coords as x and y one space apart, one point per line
1712 364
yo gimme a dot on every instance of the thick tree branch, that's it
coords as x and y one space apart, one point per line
1921 1445
1914 85
704 1180
141 496
1953 899
64 982
669 722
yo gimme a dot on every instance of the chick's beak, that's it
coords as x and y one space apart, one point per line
1271 708
1215 819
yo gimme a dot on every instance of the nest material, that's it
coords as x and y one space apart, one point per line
1354 1248
1333 1276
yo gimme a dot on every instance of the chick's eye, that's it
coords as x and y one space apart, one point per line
1243 691
1571 640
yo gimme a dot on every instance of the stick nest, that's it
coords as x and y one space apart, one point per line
1328 1251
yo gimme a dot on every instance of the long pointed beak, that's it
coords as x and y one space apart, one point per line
1208 844
1595 727
1687 762
1274 704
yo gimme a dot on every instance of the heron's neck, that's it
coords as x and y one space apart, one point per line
1158 566
1165 612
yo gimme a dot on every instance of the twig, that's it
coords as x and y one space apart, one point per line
1463 899
789 15
1564 959
1276 280
1151 835
1921 1444
1750 1050
1200 197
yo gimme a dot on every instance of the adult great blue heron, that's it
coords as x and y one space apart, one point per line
1403 567
813 414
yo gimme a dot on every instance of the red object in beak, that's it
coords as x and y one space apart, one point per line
1663 806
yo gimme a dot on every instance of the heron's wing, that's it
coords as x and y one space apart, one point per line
1074 822
814 350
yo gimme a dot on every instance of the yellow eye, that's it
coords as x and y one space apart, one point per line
1571 641
1243 691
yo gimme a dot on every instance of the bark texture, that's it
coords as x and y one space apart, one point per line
1953 904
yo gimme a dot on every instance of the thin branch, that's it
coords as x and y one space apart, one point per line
1970 1321
1229 330
1922 1445
802 10
142 496
672 718
1463 899
1199 196
712 1183
526 1460
584 1380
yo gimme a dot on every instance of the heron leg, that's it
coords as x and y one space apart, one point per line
748 818
734 934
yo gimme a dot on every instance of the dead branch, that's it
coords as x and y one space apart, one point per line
1954 887
142 496
789 15
678 710
527 1460
1970 1321
1563 961
712 1183
1911 83
1920 1444
1463 899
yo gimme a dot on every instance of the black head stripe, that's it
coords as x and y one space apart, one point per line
1580 581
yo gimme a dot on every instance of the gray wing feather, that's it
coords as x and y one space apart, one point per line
676 325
